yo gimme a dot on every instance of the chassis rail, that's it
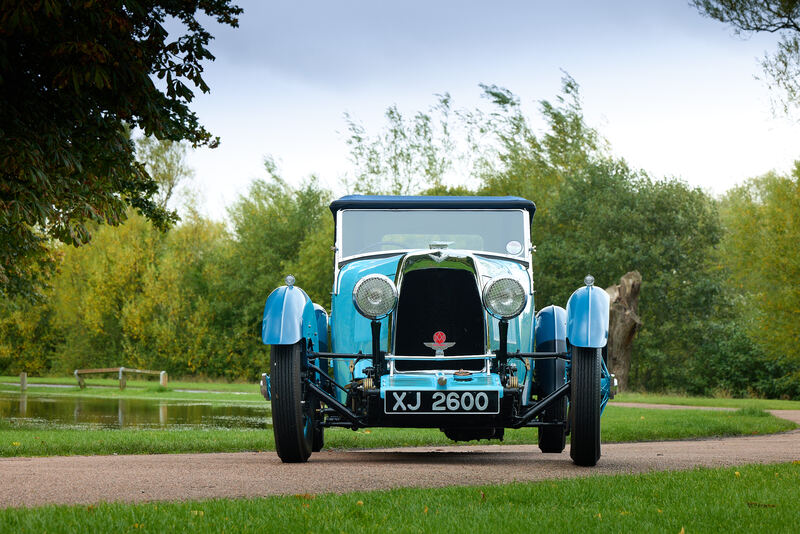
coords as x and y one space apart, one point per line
541 405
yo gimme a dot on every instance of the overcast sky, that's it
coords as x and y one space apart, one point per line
673 92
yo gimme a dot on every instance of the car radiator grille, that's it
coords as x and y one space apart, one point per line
433 300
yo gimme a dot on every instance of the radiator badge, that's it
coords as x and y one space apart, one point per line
440 343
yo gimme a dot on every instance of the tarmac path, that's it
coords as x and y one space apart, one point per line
139 478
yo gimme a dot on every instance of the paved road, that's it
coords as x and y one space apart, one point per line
135 478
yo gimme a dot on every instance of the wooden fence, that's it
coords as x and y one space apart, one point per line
121 371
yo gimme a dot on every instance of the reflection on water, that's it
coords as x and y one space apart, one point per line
128 413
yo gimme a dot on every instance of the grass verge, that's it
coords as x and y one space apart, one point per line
741 499
619 424
150 390
133 381
763 404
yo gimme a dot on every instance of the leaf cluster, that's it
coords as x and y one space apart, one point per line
762 221
74 77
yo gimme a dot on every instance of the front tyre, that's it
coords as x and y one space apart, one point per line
550 376
292 426
585 406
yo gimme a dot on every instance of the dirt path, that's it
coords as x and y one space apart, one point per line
135 478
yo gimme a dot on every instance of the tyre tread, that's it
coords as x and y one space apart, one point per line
287 416
585 406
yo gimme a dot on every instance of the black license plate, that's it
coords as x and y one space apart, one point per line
441 402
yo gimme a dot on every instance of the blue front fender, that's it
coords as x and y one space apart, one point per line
289 316
587 317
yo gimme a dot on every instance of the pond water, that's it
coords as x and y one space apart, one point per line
88 412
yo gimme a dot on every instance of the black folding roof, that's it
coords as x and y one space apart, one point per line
390 202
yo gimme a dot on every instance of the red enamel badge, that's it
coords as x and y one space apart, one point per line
439 343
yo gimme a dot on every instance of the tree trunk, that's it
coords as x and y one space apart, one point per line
624 321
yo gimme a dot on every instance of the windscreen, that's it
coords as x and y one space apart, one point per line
496 231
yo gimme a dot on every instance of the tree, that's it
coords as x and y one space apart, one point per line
782 17
498 147
534 164
408 154
624 322
595 215
165 162
73 76
762 219
279 230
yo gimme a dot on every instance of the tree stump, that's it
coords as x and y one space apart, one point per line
623 324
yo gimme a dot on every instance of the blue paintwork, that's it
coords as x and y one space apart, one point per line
351 331
551 329
520 328
358 368
267 387
289 316
322 327
587 317
429 382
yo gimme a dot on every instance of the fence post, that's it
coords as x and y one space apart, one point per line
23 381
122 381
163 379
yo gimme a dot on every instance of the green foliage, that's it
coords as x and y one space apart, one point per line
762 222
73 77
719 294
27 340
277 231
596 215
530 164
781 17
608 220
139 298
406 155
189 301
165 162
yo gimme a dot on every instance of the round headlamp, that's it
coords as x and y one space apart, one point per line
504 297
375 296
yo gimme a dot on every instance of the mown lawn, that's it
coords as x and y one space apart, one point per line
619 424
243 393
654 398
751 498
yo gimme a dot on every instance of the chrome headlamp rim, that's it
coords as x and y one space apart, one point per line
384 279
493 312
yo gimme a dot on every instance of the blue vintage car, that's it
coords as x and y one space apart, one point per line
433 325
